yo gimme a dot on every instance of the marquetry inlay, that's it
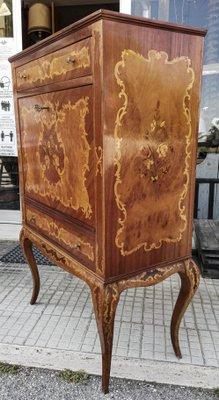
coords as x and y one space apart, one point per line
56 230
49 68
62 162
150 193
107 114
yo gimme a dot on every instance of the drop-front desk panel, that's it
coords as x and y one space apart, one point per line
107 116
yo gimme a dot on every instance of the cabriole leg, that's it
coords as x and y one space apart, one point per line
105 300
189 283
26 246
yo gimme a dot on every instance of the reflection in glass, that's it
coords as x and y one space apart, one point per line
6 23
9 183
200 13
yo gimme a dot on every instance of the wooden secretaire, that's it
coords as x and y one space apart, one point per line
107 114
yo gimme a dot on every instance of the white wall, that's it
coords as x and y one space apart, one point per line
16 5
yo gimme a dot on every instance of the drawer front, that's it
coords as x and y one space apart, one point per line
71 62
80 245
58 154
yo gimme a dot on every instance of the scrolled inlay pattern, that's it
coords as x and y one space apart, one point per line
153 136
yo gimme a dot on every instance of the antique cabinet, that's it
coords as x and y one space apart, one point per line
107 116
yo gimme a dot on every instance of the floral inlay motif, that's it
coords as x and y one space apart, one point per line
153 155
57 151
153 137
52 155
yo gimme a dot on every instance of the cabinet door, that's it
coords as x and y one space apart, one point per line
57 142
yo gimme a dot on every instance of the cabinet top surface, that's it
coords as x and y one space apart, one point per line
113 16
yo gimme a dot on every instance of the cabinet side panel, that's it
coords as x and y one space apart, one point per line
151 103
97 51
20 160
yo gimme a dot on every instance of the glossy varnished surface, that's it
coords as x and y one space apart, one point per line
135 184
150 145
57 148
71 62
107 151
153 138
78 243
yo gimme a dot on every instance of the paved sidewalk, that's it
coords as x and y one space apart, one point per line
60 330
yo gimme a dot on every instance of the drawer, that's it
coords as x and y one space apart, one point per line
58 151
78 244
71 62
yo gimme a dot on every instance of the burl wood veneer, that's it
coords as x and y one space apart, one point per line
107 116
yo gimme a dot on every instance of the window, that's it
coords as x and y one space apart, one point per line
200 13
6 23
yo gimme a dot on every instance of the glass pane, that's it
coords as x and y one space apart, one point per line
145 8
200 13
6 23
9 185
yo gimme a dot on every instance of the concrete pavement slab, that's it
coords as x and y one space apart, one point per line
60 330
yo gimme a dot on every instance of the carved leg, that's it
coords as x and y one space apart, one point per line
26 246
189 284
105 300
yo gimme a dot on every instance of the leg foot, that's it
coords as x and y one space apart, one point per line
189 284
105 300
26 246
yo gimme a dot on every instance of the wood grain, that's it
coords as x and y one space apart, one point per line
107 155
153 137
71 62
150 218
57 152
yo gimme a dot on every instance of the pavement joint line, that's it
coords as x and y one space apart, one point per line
142 347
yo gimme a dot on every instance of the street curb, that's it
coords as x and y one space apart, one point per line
144 370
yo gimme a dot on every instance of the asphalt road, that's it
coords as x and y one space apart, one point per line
41 384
